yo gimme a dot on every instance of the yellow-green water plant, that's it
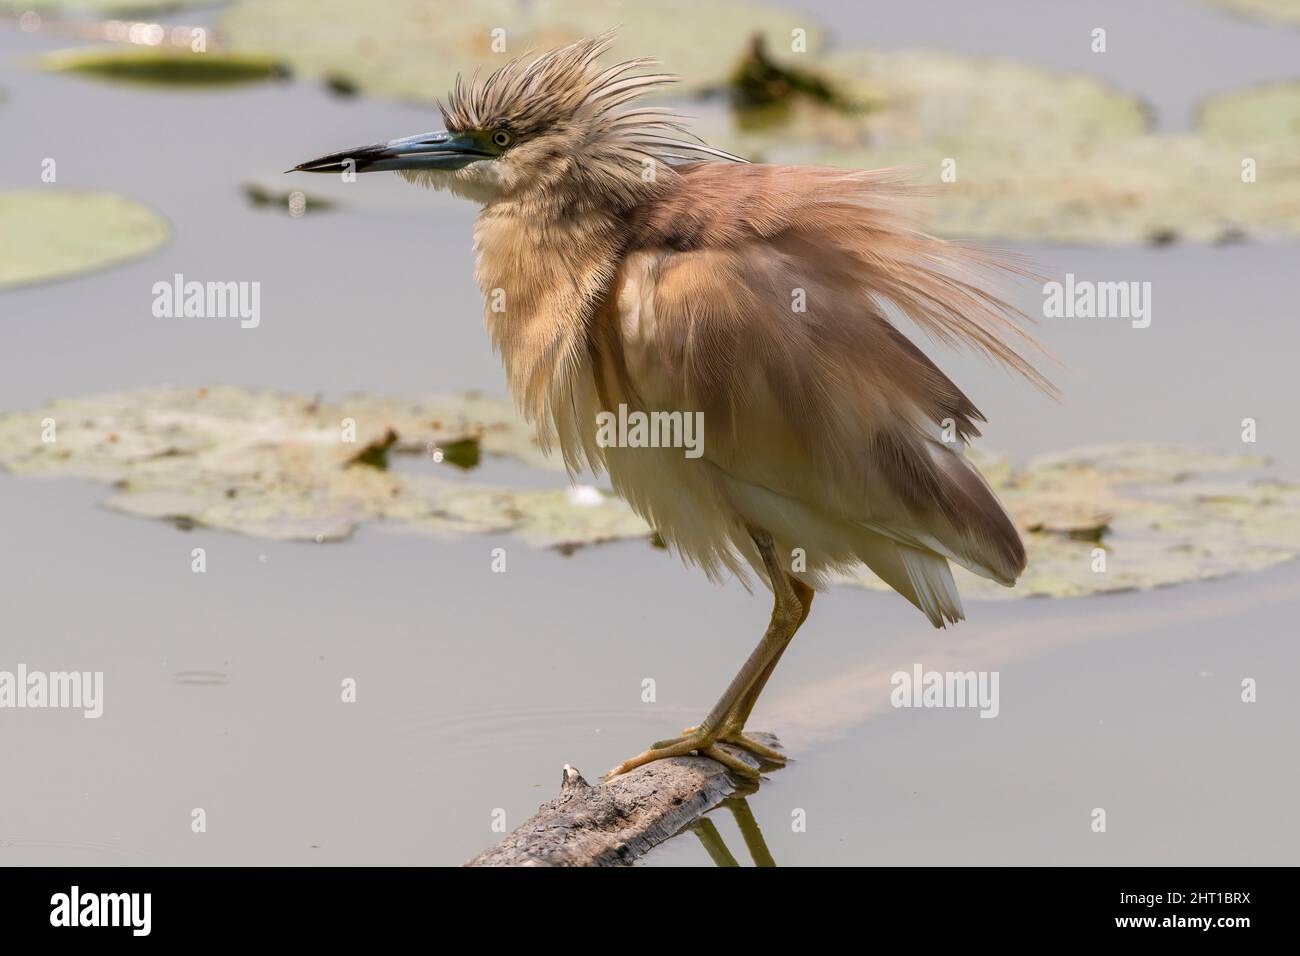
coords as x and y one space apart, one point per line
164 66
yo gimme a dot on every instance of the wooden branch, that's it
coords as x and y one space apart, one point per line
616 822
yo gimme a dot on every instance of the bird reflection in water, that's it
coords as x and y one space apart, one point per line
714 845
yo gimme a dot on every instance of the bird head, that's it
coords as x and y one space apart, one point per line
558 125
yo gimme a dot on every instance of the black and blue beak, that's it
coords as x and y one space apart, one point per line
438 150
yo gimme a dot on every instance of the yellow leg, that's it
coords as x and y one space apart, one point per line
713 843
749 830
737 719
734 722
726 721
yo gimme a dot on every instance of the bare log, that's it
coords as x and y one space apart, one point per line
616 822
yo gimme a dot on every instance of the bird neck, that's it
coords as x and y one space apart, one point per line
542 277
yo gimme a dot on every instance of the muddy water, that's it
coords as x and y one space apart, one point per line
222 690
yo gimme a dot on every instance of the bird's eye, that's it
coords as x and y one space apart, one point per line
501 138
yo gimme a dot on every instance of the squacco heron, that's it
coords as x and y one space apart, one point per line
628 265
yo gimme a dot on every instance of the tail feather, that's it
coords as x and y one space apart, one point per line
923 577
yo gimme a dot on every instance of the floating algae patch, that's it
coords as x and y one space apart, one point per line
277 466
947 103
53 233
1159 514
1259 117
1150 190
1014 152
945 98
413 49
1282 11
164 66
293 201
103 8
699 41
408 49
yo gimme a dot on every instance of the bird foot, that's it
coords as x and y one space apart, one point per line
768 751
758 749
706 743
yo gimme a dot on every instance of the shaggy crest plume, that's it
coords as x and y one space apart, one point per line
565 91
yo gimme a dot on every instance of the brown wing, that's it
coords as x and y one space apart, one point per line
770 289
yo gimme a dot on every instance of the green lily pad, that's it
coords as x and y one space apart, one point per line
53 233
413 49
277 466
164 66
